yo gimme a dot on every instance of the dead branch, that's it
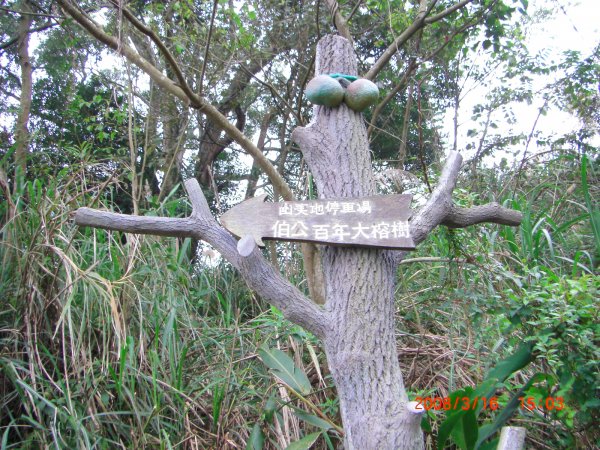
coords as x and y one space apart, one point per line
261 276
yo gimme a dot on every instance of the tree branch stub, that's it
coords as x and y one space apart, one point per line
261 276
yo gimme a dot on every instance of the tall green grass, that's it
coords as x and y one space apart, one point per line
110 340
473 295
116 341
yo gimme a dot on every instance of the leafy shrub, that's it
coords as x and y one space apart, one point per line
560 316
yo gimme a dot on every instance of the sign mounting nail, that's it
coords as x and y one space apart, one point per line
377 221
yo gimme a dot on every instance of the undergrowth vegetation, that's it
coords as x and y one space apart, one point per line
122 341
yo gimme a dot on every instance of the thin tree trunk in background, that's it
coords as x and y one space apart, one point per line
149 160
255 170
174 124
22 131
405 125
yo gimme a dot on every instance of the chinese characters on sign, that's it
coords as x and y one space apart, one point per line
378 221
331 207
323 232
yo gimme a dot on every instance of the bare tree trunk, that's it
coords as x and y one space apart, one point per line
22 132
255 170
149 161
174 125
212 143
405 126
361 346
361 351
356 324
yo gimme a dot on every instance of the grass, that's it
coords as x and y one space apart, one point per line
107 341
115 341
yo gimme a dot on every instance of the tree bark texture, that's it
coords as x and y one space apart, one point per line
360 345
22 132
512 438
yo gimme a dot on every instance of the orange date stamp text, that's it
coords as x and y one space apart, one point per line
464 403
491 403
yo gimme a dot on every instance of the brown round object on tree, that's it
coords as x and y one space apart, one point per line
324 90
361 94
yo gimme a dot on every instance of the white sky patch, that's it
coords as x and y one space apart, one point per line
571 28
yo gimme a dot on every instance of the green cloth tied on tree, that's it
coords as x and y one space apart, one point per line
341 75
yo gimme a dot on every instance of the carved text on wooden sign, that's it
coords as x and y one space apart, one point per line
378 221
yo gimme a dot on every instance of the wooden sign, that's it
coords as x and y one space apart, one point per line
378 221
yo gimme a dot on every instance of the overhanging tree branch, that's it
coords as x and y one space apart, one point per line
420 21
194 100
160 44
14 40
261 276
207 46
95 30
412 66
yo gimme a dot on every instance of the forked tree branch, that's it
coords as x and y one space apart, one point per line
261 276
189 98
440 209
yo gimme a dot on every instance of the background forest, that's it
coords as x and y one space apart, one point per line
111 340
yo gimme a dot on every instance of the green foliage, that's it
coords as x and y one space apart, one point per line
110 338
557 231
305 443
461 422
475 280
592 208
284 369
560 316
295 379
578 91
